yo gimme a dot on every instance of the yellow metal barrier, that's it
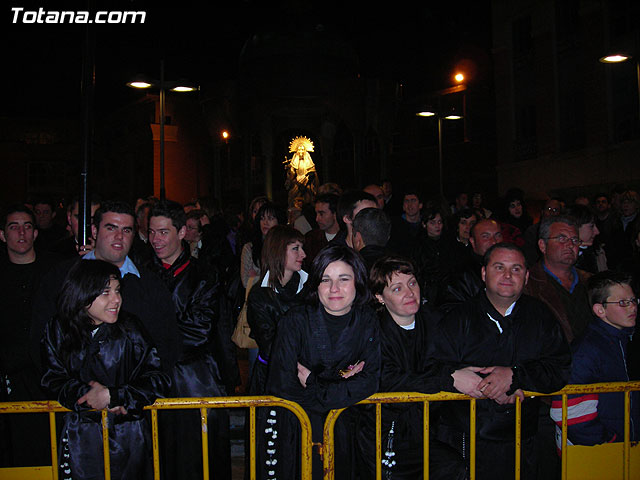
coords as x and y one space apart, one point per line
580 455
234 402
37 472
577 461
587 461
51 407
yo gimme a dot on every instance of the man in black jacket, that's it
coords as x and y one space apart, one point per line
196 297
466 281
371 230
507 342
23 438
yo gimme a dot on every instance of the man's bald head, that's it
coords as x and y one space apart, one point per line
377 193
484 234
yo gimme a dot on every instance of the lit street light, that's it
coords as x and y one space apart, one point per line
619 57
449 115
143 82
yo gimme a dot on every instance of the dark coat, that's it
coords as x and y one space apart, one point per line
24 438
463 283
265 308
599 356
433 260
407 366
531 343
371 253
196 298
314 241
303 337
119 356
405 236
539 286
146 297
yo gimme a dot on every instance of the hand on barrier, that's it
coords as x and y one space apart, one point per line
118 410
510 399
466 381
497 383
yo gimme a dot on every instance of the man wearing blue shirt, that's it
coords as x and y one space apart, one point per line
556 281
144 294
554 278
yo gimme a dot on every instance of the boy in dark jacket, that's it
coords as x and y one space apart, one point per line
601 356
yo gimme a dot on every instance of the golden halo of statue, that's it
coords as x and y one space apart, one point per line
300 141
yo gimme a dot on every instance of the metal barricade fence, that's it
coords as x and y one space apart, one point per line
398 397
327 447
52 407
252 403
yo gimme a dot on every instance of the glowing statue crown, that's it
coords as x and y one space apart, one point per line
298 141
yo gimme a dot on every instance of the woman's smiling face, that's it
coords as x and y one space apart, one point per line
106 307
337 289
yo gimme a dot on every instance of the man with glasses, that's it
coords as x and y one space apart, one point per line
601 356
551 208
555 280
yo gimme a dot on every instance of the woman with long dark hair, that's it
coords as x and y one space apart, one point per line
433 258
514 217
97 356
282 282
591 255
326 355
268 216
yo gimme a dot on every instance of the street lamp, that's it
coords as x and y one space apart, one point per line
446 115
143 82
620 57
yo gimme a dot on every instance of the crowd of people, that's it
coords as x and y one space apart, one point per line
357 292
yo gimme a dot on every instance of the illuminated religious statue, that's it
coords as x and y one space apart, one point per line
302 179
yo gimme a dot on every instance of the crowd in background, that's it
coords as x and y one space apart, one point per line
316 286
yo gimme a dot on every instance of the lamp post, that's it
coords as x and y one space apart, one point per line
218 167
451 115
143 82
619 57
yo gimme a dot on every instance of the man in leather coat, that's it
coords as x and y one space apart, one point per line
494 346
196 298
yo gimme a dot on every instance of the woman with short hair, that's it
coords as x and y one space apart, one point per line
406 331
326 356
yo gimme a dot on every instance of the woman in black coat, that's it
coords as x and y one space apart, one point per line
97 357
406 331
282 282
433 259
326 356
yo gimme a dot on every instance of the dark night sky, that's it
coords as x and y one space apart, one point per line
414 43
